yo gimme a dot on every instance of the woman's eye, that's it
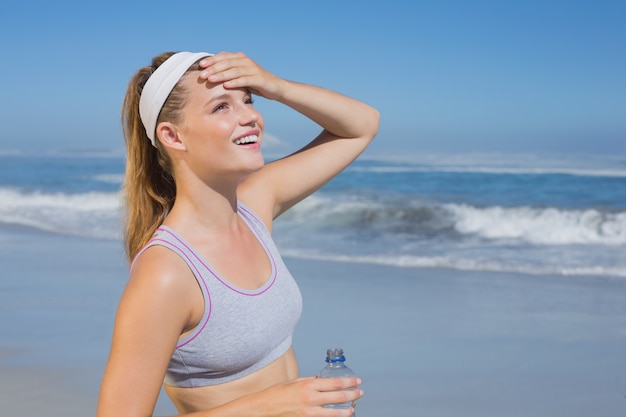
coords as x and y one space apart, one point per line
249 100
220 106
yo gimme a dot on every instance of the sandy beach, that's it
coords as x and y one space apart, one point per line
427 342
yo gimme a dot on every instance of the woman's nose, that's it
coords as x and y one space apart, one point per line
250 117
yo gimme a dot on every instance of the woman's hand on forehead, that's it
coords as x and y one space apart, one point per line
236 70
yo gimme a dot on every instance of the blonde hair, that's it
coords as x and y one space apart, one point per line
149 188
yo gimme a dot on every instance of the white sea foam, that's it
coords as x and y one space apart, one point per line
463 264
544 226
92 214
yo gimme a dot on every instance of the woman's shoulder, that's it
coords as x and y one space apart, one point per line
258 199
161 270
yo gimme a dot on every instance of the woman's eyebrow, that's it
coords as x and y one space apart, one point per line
226 96
222 96
210 101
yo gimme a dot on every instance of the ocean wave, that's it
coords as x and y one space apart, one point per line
374 216
587 165
543 226
397 231
415 219
581 172
117 179
115 153
90 214
463 264
404 231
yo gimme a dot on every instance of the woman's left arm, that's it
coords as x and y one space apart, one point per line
348 127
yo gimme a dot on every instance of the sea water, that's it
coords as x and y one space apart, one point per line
516 213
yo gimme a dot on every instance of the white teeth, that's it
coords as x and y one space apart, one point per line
247 139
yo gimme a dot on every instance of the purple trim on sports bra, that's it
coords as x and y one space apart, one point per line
208 295
253 293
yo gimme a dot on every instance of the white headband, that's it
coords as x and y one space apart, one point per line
160 85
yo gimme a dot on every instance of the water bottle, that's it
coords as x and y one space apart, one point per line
336 367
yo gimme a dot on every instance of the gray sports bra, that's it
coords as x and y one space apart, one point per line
241 331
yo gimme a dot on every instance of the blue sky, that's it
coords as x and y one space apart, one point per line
447 76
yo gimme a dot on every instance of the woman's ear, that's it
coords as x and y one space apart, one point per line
169 136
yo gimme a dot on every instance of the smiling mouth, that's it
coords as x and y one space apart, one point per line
247 140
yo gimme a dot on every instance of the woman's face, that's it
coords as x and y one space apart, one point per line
221 129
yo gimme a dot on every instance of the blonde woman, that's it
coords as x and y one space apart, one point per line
209 308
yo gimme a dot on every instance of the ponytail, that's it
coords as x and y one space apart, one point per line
149 189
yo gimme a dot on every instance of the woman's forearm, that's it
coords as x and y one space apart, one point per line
338 114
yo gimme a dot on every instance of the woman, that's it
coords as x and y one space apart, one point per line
209 307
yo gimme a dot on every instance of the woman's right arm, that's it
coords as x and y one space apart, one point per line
154 310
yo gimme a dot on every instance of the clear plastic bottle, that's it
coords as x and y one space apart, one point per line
336 367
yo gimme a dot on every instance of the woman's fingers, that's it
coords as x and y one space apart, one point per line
227 66
335 390
236 70
336 384
340 390
312 393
